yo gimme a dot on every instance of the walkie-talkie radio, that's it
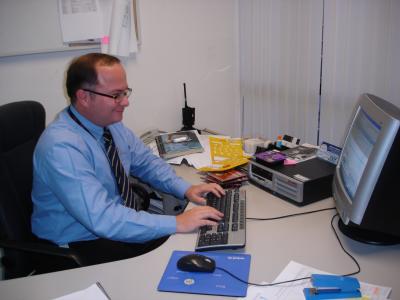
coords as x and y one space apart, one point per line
188 114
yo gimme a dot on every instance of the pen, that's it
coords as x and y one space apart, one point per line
103 290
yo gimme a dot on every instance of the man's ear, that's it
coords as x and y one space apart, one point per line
82 97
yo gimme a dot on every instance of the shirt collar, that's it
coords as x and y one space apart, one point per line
95 130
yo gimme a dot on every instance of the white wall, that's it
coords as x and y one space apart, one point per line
188 41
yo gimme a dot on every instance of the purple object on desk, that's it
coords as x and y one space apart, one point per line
271 157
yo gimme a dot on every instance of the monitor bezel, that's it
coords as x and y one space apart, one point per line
353 209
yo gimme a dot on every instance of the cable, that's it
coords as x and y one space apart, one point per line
292 215
302 278
345 251
259 284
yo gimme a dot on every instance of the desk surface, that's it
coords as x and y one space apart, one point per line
305 239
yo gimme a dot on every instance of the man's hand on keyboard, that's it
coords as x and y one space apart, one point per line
196 217
195 192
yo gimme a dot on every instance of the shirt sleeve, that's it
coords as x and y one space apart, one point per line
153 169
70 174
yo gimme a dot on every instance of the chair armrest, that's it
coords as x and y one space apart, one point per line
143 194
46 249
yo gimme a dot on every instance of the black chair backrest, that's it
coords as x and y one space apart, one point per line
21 124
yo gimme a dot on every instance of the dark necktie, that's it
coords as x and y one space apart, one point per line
119 171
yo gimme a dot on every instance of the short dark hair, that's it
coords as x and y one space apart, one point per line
82 71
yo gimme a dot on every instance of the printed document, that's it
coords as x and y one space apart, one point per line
294 290
81 20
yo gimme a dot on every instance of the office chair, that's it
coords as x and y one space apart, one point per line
21 124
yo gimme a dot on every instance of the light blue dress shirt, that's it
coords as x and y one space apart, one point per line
75 195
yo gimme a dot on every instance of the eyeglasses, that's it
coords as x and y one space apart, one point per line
117 96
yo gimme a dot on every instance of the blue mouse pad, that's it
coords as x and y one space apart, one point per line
216 283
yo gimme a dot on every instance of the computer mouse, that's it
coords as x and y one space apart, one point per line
196 263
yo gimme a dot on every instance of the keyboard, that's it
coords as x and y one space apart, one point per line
230 233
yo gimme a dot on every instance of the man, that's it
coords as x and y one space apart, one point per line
78 201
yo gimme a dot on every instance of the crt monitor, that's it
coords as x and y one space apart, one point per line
366 184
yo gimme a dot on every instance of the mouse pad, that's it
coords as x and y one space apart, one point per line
216 283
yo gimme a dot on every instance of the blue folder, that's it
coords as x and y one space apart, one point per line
216 283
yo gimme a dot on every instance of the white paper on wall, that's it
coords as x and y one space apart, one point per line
108 22
80 20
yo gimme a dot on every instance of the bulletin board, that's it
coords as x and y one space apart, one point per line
33 26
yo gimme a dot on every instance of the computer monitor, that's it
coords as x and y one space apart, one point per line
366 185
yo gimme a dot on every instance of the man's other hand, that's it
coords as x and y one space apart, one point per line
196 192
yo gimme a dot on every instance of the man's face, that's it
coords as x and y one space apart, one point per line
102 110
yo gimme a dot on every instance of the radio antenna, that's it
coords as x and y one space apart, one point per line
184 92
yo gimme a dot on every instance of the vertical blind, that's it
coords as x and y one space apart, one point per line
280 47
282 67
361 55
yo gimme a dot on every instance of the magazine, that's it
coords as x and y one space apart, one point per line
301 153
174 144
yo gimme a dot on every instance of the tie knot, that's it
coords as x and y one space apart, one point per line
107 136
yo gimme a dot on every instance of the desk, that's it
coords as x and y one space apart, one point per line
306 239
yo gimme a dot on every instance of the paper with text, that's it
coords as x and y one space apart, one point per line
294 291
80 20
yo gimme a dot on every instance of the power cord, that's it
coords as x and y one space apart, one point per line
302 278
259 284
292 215
345 251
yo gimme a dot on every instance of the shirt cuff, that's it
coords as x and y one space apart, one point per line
180 188
168 224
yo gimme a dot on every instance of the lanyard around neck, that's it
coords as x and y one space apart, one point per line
73 117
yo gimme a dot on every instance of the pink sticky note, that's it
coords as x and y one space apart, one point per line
105 40
289 162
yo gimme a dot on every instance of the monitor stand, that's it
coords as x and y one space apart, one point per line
367 236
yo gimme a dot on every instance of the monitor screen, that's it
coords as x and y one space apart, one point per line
359 144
